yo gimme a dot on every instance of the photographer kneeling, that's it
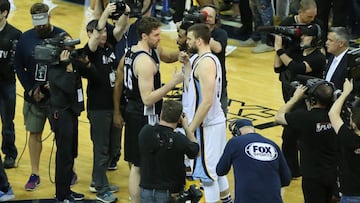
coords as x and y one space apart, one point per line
66 104
162 153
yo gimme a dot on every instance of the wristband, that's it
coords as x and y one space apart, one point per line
280 52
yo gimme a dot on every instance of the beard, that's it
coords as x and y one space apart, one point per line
192 50
43 32
182 47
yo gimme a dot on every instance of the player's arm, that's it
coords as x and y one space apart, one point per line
167 56
118 89
206 74
145 69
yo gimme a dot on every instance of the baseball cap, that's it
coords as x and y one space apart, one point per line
242 123
40 19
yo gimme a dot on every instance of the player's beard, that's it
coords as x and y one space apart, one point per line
192 49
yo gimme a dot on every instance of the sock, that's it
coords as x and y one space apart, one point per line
226 199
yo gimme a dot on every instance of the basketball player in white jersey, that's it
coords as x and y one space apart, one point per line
206 117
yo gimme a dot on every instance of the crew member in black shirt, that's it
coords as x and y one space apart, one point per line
8 35
318 147
66 104
291 61
162 153
349 144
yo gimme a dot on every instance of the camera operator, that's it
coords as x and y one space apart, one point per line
259 174
337 45
306 15
33 78
105 135
162 153
218 43
66 104
310 62
318 148
349 144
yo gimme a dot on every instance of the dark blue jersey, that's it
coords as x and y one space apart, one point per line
131 83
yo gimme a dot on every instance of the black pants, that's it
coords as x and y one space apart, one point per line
340 9
4 184
290 149
179 7
65 126
318 190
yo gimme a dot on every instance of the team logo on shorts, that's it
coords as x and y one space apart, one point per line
261 151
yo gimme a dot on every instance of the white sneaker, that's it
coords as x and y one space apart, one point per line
261 48
247 43
229 49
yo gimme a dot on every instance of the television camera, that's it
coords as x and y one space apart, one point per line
49 51
193 194
291 34
353 72
135 5
193 17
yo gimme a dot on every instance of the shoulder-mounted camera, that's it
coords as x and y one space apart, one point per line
49 51
291 34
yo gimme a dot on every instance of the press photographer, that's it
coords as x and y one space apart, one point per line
162 156
136 6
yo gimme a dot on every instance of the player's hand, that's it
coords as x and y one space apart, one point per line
183 57
178 76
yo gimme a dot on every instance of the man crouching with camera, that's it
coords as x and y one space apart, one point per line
66 104
162 153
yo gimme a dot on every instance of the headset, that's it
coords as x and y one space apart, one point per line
313 84
317 41
217 16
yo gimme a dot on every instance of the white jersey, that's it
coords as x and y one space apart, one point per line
185 94
194 96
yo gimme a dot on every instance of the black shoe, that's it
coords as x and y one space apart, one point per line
112 165
9 162
67 200
77 196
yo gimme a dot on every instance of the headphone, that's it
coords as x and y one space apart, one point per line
317 41
217 16
313 84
